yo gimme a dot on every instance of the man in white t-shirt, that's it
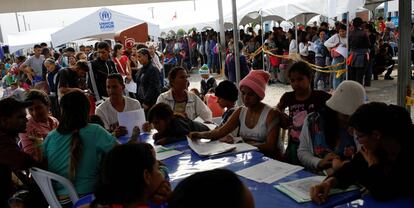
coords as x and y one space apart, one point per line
117 102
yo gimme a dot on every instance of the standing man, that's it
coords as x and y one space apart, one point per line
102 67
12 122
33 65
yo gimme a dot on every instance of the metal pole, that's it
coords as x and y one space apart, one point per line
24 22
17 20
347 42
261 26
385 10
222 36
236 46
404 51
296 36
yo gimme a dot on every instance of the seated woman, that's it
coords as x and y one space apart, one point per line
385 133
39 123
257 121
220 184
325 135
131 178
180 100
170 127
75 149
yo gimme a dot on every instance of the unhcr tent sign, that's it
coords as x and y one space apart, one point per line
106 23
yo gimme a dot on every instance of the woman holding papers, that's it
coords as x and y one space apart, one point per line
182 101
334 43
385 133
325 135
258 122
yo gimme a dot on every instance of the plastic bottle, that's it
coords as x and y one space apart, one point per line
321 85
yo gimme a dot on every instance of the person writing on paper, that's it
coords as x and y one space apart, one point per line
222 185
333 43
117 102
385 134
171 127
258 122
182 101
325 134
131 177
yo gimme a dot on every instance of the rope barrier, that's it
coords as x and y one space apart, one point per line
296 57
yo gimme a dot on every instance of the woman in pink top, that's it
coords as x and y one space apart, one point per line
39 123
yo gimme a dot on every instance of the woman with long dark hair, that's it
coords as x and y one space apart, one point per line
148 80
75 149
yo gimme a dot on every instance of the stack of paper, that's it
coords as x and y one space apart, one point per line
269 171
240 148
130 119
205 149
164 153
299 189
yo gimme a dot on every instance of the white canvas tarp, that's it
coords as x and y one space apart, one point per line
28 39
101 24
289 9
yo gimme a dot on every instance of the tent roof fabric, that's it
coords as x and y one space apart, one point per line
39 5
28 39
101 24
289 9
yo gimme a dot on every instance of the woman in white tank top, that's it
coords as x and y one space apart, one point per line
258 122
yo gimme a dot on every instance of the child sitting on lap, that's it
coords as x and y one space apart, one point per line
171 127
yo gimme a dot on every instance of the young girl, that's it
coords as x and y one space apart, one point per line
300 102
39 123
131 178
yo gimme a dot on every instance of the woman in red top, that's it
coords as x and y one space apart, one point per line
121 61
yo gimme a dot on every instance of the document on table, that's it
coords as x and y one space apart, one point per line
164 152
130 119
269 171
240 148
299 189
211 126
210 148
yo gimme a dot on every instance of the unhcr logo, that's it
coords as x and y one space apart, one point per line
106 24
105 15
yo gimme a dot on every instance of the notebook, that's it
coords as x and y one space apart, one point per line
209 148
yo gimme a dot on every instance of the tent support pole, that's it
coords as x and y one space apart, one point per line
347 40
222 37
236 45
404 52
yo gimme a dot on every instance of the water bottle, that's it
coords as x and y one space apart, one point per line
321 85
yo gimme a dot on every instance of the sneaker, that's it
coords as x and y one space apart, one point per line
388 78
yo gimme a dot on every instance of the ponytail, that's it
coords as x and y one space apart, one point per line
75 154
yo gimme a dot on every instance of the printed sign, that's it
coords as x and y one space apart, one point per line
106 24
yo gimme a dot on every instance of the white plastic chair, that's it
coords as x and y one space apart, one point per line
44 180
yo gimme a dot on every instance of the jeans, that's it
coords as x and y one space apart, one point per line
336 81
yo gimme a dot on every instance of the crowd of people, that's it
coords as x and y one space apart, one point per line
60 114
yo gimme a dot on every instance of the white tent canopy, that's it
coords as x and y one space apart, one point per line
289 9
101 24
38 5
28 39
